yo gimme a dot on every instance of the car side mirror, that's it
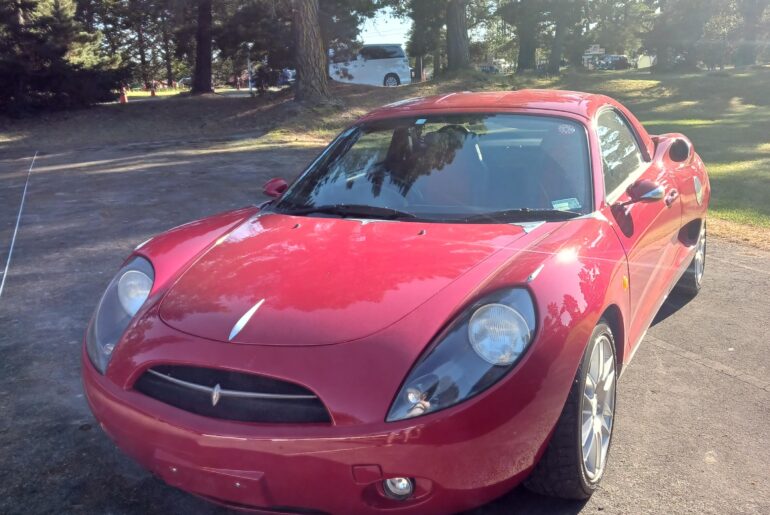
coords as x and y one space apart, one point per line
680 151
644 191
275 187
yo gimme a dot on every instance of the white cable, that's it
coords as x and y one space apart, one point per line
16 229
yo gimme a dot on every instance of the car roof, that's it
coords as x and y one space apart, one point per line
574 102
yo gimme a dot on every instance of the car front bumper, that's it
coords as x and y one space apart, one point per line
316 468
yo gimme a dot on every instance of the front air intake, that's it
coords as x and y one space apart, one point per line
230 395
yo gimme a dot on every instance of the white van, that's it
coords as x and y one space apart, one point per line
375 65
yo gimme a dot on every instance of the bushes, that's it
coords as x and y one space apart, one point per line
36 41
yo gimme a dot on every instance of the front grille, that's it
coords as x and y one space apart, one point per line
232 395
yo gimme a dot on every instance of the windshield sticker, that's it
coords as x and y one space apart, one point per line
421 121
566 130
566 204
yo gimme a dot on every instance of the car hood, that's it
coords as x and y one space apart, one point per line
285 280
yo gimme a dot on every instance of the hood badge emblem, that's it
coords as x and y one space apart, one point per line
215 394
241 323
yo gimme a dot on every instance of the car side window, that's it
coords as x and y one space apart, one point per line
621 156
381 52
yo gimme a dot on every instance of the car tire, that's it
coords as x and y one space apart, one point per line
690 283
391 80
565 469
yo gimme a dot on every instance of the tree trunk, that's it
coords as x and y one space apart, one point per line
751 11
527 47
312 86
167 50
418 69
557 46
457 46
201 82
142 47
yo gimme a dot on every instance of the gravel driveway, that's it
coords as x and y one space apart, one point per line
693 408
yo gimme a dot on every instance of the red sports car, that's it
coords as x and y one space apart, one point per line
436 310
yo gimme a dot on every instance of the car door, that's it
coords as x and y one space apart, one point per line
647 230
367 69
379 66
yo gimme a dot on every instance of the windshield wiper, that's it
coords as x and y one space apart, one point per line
351 210
523 214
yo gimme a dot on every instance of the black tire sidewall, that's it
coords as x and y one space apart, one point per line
704 235
385 80
602 328
688 284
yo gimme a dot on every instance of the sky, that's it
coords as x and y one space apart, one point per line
384 28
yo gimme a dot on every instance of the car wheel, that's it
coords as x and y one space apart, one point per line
574 461
691 281
391 80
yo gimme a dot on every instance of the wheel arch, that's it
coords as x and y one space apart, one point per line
614 318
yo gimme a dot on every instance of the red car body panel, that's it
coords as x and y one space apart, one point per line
329 280
351 333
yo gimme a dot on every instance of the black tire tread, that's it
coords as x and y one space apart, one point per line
559 473
688 285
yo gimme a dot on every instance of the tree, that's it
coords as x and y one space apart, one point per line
557 45
201 80
48 59
565 14
619 26
751 11
457 49
312 86
677 30
526 16
425 36
340 22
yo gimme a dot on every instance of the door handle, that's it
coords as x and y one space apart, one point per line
671 197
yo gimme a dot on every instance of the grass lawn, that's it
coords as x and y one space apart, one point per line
168 92
726 114
158 93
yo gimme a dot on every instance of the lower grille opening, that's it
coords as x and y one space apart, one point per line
230 395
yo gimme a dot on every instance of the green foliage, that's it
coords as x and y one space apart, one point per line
48 60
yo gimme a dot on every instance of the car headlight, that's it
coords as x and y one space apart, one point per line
475 351
125 295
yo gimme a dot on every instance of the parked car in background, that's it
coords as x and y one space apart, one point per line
436 310
614 62
489 68
287 77
185 82
375 65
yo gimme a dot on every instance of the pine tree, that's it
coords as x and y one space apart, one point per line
48 59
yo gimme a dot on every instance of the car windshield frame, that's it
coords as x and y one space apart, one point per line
283 204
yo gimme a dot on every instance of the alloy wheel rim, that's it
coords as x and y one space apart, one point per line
598 409
700 256
390 81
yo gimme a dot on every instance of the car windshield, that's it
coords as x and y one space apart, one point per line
453 168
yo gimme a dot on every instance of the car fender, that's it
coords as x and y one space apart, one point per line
173 251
